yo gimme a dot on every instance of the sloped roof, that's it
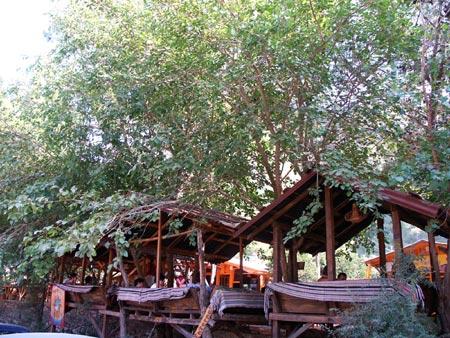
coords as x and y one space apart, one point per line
218 228
291 204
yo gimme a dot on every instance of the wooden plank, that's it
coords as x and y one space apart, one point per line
305 318
300 330
381 246
434 262
330 235
397 232
245 318
164 320
110 313
158 248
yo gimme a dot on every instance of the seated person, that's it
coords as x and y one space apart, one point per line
180 281
140 283
71 278
161 284
342 276
323 274
88 280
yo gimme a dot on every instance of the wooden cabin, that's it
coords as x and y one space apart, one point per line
255 274
334 224
420 251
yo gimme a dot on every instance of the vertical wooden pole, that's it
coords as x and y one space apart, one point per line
170 273
330 236
284 264
83 269
122 321
276 243
61 270
202 270
241 263
434 262
293 265
397 231
158 249
110 259
381 246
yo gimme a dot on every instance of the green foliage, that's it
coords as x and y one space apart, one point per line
392 314
302 223
222 104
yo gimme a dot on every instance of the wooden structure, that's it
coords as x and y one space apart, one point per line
255 274
160 236
420 251
336 223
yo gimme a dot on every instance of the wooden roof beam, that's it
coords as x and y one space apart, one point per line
278 214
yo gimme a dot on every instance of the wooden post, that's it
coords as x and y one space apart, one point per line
158 249
203 293
293 276
83 269
170 274
434 262
276 245
284 264
381 246
202 270
397 231
241 263
61 270
122 321
330 236
110 259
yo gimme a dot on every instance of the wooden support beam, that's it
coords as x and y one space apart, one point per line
110 259
170 272
276 256
434 262
202 270
229 241
381 246
122 322
83 269
159 248
241 263
182 331
397 231
61 269
155 239
296 333
284 265
293 267
329 224
277 215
